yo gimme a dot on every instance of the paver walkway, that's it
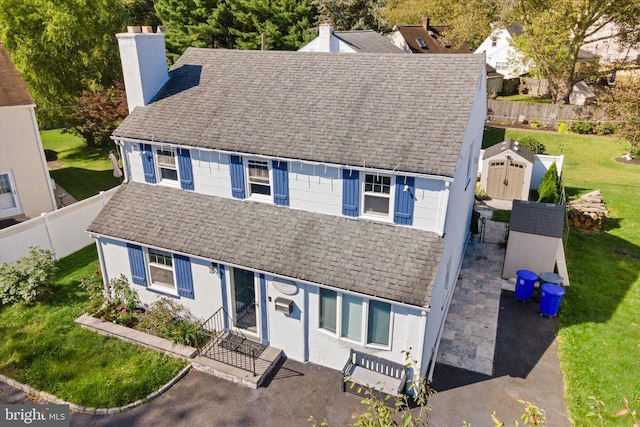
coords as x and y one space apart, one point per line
469 335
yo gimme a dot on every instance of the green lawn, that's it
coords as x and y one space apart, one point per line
599 336
524 98
84 172
40 345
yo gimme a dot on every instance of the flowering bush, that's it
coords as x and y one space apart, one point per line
113 302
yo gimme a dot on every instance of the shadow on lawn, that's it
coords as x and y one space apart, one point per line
84 183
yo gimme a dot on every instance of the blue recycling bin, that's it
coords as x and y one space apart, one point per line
550 299
525 281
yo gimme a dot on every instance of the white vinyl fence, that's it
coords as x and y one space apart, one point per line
61 231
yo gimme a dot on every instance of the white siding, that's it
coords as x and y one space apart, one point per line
211 173
428 207
206 286
315 188
530 252
287 331
542 163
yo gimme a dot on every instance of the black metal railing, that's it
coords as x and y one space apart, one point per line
227 345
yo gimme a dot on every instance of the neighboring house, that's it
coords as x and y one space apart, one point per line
425 38
495 80
357 41
535 239
605 43
26 189
502 55
306 194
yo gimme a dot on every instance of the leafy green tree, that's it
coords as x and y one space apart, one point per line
61 48
622 104
469 21
548 190
533 144
141 12
353 14
235 24
555 30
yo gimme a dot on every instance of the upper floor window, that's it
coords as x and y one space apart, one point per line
167 164
377 195
259 181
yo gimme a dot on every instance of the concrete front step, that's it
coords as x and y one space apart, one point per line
265 364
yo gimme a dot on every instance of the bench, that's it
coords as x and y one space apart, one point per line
366 373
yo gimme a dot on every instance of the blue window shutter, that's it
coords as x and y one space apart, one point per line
350 192
136 261
237 177
186 171
184 279
280 183
404 200
147 163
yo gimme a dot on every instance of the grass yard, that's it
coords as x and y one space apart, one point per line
82 172
40 345
524 98
599 336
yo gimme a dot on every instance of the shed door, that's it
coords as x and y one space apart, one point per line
505 180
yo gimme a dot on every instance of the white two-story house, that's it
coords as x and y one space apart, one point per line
323 201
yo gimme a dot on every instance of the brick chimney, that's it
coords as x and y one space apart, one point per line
144 64
425 23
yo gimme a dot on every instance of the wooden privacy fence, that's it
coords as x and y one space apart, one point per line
547 114
61 231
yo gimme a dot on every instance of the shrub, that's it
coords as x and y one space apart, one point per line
606 128
534 124
563 127
28 277
548 190
533 144
583 128
480 193
111 301
170 320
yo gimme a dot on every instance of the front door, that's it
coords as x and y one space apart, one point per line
245 306
9 201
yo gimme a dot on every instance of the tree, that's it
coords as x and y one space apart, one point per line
98 113
468 21
555 30
61 48
622 104
353 14
548 190
141 12
235 24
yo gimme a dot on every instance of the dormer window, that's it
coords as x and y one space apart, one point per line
259 182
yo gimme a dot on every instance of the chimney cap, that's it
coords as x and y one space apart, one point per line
134 29
161 29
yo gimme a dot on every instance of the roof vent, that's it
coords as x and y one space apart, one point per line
432 34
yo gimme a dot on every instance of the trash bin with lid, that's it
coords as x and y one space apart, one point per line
525 281
550 277
550 299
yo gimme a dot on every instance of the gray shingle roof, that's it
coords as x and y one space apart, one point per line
388 111
367 41
544 219
510 144
382 260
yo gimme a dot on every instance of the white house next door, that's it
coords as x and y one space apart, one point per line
9 200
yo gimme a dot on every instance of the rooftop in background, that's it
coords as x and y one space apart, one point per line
367 41
544 219
427 38
12 88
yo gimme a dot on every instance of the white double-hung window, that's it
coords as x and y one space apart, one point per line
259 180
360 320
161 269
377 195
167 168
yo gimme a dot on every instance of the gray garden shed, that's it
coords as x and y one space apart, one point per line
535 239
506 171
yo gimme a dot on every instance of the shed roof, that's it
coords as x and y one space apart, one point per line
383 111
381 260
367 41
432 37
514 146
13 91
544 219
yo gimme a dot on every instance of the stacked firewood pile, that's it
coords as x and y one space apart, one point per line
587 212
